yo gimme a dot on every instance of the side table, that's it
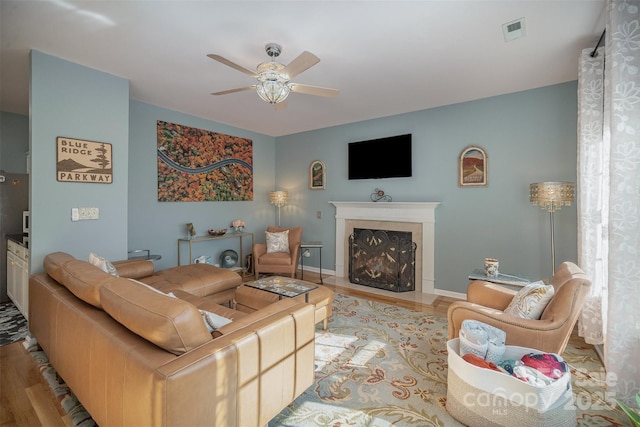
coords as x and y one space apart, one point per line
143 254
501 279
310 245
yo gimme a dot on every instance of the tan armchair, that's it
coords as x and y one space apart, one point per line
278 262
486 302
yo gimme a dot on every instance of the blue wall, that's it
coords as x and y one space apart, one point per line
14 142
70 100
529 137
157 225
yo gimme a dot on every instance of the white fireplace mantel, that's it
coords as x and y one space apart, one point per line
412 212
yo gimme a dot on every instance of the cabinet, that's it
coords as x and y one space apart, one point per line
18 276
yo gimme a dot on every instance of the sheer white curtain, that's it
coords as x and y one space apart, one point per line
609 195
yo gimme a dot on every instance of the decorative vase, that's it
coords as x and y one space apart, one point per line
239 229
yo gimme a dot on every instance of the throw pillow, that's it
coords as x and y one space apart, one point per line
530 301
103 264
277 242
213 321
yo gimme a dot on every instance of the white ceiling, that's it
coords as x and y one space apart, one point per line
385 57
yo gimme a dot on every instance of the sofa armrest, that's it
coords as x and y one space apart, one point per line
243 378
489 294
295 254
259 249
134 268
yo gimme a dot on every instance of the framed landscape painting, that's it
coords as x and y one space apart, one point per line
472 167
197 165
317 175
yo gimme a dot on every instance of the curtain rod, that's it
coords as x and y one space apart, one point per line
595 49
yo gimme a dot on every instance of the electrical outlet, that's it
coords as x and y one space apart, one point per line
75 215
319 214
88 213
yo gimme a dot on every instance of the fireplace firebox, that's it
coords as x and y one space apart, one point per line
382 259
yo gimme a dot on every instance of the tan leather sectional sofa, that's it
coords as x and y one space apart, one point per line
136 357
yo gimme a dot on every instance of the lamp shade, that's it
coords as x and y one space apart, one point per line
551 196
279 198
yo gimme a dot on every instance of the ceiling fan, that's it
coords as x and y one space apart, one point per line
274 79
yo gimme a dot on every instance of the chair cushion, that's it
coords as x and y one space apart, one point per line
530 301
276 258
277 241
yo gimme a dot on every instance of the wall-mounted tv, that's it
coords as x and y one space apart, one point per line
380 158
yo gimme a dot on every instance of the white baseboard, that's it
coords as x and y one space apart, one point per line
450 294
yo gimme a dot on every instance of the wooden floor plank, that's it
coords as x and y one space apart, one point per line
43 406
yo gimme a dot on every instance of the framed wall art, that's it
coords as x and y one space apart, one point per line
473 167
199 165
79 160
317 175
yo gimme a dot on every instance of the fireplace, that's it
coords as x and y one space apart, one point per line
416 217
382 259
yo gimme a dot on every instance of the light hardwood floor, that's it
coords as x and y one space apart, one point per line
26 400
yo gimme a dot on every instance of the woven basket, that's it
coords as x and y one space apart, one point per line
480 397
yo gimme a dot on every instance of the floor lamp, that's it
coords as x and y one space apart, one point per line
279 198
552 196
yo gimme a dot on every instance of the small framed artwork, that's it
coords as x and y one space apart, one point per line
473 167
317 175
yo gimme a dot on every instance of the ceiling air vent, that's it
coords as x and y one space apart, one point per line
514 29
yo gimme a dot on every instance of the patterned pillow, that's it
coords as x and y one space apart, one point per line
277 242
103 264
213 321
530 301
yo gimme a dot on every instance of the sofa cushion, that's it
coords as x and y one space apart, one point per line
84 280
53 262
197 279
170 323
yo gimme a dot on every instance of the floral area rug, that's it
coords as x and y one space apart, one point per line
13 325
380 365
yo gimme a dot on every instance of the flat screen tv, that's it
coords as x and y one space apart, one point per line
380 158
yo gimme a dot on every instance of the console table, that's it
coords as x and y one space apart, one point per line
193 240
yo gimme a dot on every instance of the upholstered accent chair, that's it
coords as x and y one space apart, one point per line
487 301
280 262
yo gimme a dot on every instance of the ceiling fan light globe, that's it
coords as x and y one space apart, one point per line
273 91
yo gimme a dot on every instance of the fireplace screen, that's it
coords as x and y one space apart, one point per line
382 259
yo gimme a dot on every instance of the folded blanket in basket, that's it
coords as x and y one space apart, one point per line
485 341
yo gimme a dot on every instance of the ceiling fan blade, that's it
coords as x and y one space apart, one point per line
304 61
238 89
233 65
314 90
